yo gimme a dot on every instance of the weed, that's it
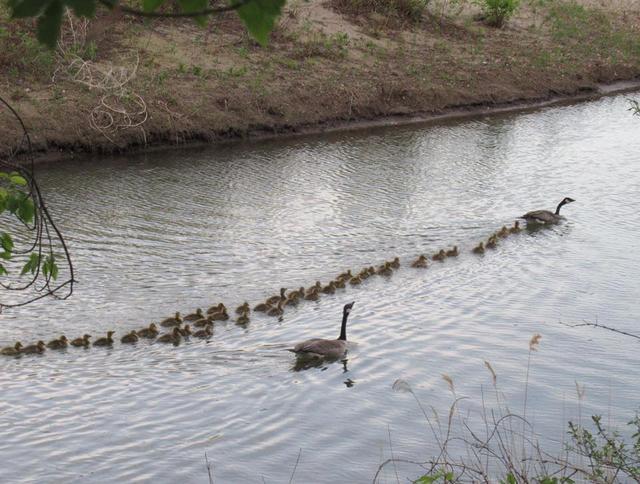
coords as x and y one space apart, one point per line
497 12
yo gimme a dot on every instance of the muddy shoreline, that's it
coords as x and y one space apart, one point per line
163 140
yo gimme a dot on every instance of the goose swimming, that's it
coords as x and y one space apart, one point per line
331 348
545 216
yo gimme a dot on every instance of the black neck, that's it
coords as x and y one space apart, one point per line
343 329
559 207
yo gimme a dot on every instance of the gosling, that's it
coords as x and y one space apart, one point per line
277 311
105 341
58 344
37 348
440 256
130 338
453 252
150 332
174 337
242 320
330 288
420 262
194 316
12 350
243 308
207 332
174 321
84 341
479 249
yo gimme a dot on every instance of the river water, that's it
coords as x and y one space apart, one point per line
157 233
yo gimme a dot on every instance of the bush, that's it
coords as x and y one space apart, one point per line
497 12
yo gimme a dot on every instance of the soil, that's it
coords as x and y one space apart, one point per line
117 84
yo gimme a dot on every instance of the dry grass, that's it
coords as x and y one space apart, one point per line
508 450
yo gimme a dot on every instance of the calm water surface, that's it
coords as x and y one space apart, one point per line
174 231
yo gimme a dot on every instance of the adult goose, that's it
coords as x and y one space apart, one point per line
545 216
326 348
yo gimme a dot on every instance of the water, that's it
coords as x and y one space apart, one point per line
163 232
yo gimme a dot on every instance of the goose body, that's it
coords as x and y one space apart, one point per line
150 332
130 338
275 299
173 337
84 341
207 332
12 350
479 249
218 308
105 341
439 256
243 308
58 344
39 347
242 319
354 281
420 262
277 311
174 321
330 288
201 323
326 348
453 252
223 316
262 307
312 295
194 316
545 216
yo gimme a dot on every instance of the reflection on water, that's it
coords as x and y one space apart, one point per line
306 362
165 232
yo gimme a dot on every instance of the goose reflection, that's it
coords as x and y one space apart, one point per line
303 363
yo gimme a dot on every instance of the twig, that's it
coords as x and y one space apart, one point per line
43 224
395 469
602 326
209 471
293 473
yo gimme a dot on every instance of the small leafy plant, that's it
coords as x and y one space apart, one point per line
497 12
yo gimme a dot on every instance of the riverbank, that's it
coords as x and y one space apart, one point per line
116 84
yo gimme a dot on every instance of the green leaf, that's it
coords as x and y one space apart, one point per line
5 255
49 24
3 175
195 6
151 5
18 180
27 8
26 210
6 242
3 270
31 265
82 8
259 16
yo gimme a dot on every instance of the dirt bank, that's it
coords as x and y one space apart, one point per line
116 84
